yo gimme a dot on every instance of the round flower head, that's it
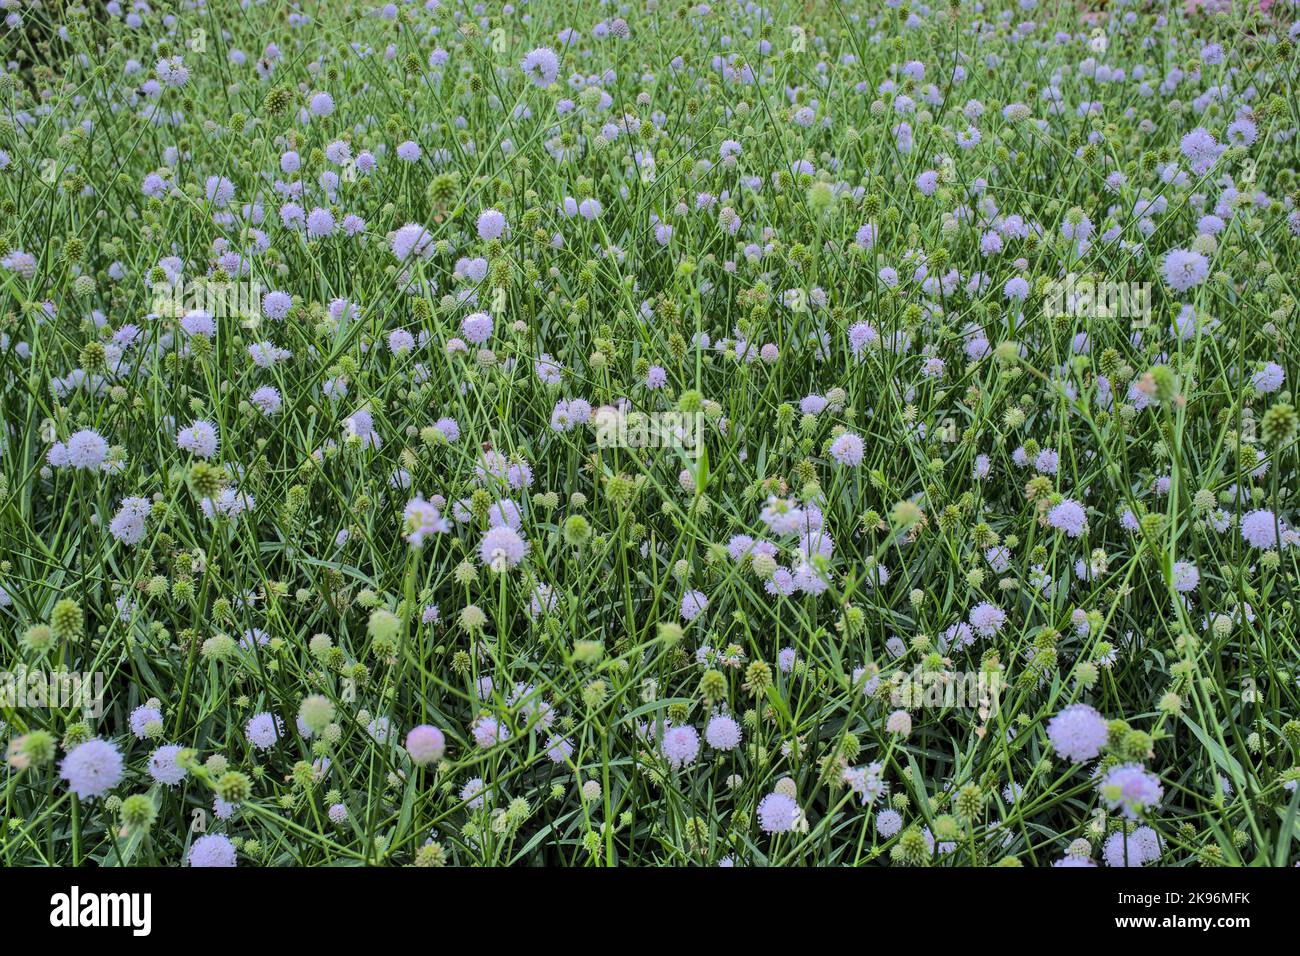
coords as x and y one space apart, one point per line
491 225
199 439
1184 269
888 823
541 66
1138 848
128 524
681 745
477 327
449 428
722 732
1077 733
92 768
848 449
1259 529
84 450
987 619
266 399
420 519
263 730
142 718
1269 378
488 731
694 604
1186 576
1131 789
425 744
412 240
474 793
778 813
163 766
899 722
1068 516
214 849
400 341
505 512
502 548
320 223
196 322
219 190
321 104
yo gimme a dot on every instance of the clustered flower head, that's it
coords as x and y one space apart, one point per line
1078 733
870 439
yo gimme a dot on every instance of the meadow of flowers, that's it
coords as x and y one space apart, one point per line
649 433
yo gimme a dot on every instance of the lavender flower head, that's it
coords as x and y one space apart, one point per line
1078 733
92 768
1131 789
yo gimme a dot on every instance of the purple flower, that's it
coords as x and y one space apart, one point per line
320 223
92 768
128 525
1186 577
778 813
214 849
86 450
681 745
141 718
263 730
1068 516
488 731
1259 529
477 327
267 399
541 66
865 237
322 104
420 519
722 732
412 239
1138 848
888 823
163 766
1078 733
502 548
1131 789
1201 149
694 604
276 305
861 335
1184 269
219 190
491 225
1269 378
987 619
848 449
425 744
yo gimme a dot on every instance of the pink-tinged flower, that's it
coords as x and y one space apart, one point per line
426 744
778 813
681 745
